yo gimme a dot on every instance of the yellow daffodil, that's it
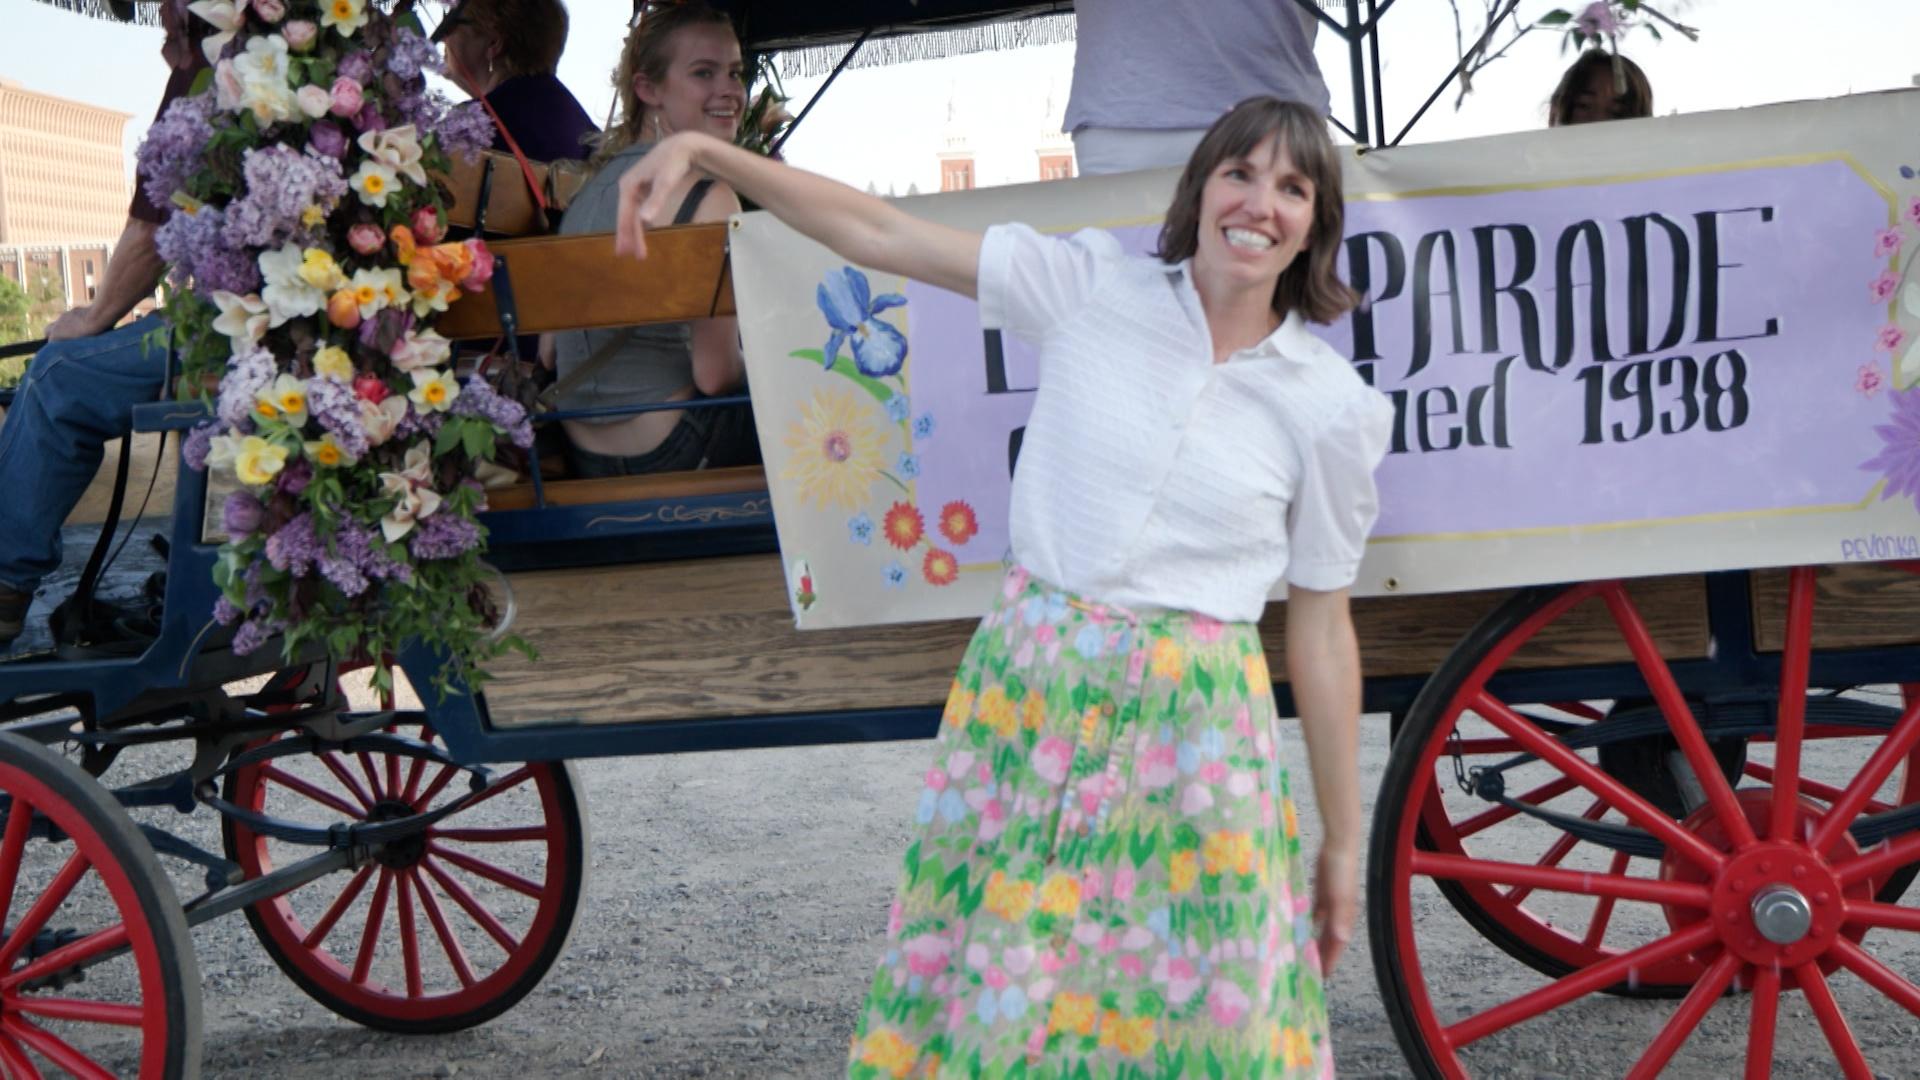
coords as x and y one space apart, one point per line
327 452
377 290
318 269
333 363
433 391
313 217
284 399
258 461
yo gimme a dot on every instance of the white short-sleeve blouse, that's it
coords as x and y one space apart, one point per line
1152 477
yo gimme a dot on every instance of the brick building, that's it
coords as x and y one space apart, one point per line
63 190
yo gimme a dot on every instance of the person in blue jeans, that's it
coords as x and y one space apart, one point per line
80 389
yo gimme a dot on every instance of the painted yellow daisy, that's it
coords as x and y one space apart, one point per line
835 451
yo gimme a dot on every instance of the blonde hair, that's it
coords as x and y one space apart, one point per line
649 53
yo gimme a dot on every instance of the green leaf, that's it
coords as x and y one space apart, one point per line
843 366
1556 17
1203 680
1655 31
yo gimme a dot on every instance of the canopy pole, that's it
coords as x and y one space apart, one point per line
815 99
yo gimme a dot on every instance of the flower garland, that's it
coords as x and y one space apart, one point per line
309 260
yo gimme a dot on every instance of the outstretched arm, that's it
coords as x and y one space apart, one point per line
855 225
1323 665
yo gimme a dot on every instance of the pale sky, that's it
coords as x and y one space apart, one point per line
884 125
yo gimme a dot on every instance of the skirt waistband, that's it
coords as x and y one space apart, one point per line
1022 585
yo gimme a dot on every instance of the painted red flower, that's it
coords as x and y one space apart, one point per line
957 522
940 567
903 525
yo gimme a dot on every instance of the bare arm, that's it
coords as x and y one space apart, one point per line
857 226
1323 666
717 364
132 273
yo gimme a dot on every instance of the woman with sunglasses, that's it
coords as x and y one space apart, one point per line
504 53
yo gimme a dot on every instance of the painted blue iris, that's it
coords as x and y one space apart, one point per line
852 311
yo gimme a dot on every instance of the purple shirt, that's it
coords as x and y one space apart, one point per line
545 119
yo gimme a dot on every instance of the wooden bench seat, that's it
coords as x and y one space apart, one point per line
611 489
578 283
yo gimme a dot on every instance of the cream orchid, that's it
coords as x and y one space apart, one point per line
287 294
263 71
243 319
381 419
226 17
398 149
412 487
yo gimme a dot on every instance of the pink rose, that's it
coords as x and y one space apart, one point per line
426 225
1123 882
1886 243
300 34
1890 337
366 239
347 97
270 11
1870 380
936 779
1883 287
482 271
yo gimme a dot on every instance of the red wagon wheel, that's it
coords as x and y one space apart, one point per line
435 933
1773 887
99 977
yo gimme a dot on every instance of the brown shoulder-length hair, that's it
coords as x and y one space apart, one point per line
649 51
1633 97
532 33
1310 284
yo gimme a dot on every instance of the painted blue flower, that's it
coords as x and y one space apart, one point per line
953 808
923 426
860 529
1160 921
898 407
894 575
1188 757
851 310
1010 1003
1089 642
929 800
909 465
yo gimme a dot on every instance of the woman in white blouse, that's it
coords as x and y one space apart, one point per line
1108 871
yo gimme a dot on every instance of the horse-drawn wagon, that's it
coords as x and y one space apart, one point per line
1690 779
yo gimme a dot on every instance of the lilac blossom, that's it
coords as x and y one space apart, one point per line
444 536
1899 457
194 448
478 398
246 374
410 54
423 108
418 423
281 184
252 634
355 558
201 258
226 612
294 548
336 409
173 148
357 66
466 130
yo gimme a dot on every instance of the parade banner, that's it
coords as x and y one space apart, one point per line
1624 349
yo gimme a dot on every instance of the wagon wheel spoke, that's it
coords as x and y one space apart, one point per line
1765 1014
1791 725
409 936
1679 715
1890 753
521 834
449 943
67 955
475 910
1603 907
347 780
434 787
372 773
1833 1025
339 907
1559 851
370 937
78 1010
482 868
13 1057
1629 803
392 789
1579 984
501 786
1888 855
412 788
58 1050
1436 864
12 846
1687 1017
49 902
313 792
1877 975
1826 793
1540 796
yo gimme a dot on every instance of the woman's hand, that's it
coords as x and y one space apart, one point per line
644 189
1336 903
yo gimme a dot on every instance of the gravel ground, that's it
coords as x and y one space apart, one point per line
736 906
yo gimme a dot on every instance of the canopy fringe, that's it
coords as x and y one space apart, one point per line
934 45
142 14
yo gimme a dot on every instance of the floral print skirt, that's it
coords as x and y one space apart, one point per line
1106 880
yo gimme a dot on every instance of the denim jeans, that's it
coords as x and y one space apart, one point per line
76 395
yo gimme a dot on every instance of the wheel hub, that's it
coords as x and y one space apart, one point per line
406 851
1775 904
